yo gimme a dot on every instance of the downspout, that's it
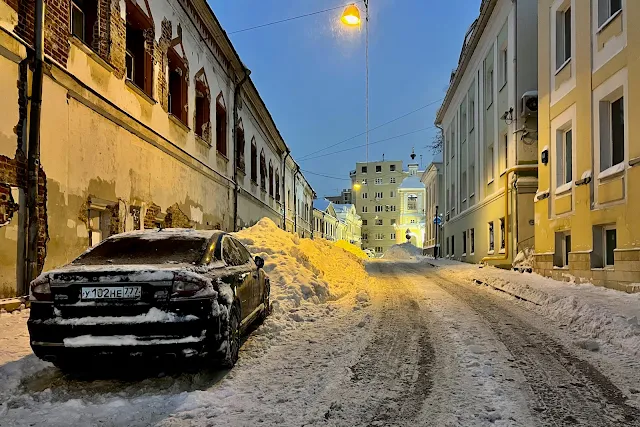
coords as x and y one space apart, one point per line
515 108
438 201
236 98
33 156
284 192
516 169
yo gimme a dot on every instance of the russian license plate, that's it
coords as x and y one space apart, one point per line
111 292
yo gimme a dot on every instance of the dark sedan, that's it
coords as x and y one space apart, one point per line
174 291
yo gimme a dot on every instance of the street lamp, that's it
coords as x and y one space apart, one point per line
351 18
356 186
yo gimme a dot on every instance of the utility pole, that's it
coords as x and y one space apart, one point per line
33 156
435 223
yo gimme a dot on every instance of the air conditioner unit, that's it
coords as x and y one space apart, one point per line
529 106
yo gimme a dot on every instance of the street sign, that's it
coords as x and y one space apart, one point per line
437 220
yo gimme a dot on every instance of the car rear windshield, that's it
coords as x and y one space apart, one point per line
138 250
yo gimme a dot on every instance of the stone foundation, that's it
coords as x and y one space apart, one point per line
623 276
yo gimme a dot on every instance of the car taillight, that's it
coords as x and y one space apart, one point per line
185 288
41 289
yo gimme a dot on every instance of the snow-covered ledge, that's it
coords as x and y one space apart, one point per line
564 188
612 171
541 195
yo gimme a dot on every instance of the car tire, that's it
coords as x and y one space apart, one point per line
266 301
233 338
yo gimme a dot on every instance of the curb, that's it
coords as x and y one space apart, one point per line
12 304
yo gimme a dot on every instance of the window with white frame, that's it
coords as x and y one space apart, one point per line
378 249
488 83
563 37
606 9
365 195
365 236
464 243
378 208
378 194
378 168
604 246
365 222
393 222
611 132
412 202
363 169
472 109
364 209
364 181
504 152
378 181
472 240
502 234
378 222
392 208
392 168
503 63
562 249
490 167
463 120
391 194
564 156
392 180
379 236
413 221
392 236
491 237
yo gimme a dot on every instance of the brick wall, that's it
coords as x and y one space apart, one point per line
161 59
56 27
118 33
150 216
176 218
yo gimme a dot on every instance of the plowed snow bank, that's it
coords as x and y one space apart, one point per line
402 251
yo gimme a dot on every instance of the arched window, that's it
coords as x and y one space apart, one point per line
240 146
203 107
412 202
263 171
178 103
270 179
254 160
221 125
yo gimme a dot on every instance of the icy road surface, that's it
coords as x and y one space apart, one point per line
418 349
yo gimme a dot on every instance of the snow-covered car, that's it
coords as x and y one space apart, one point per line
175 292
370 253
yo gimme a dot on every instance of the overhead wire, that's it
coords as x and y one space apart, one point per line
374 128
292 18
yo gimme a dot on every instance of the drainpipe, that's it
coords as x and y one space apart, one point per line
33 155
236 98
516 169
284 192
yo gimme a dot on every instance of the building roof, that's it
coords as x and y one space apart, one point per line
321 204
411 182
342 207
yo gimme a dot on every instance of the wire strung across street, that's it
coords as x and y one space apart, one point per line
374 128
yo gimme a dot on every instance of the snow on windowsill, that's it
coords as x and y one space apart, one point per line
612 171
606 23
586 174
564 188
561 67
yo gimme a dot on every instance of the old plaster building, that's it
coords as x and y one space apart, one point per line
589 179
375 196
433 181
148 118
489 123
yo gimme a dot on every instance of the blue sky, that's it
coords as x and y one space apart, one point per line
311 74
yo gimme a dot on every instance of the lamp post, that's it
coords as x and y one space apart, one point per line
351 17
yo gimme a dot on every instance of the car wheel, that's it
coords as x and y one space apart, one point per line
266 301
233 338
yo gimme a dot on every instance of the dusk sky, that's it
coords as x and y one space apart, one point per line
311 74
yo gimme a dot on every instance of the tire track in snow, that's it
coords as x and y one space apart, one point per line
566 389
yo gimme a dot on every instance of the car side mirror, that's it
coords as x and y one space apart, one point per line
259 262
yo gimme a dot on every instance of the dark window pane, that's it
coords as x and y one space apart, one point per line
230 253
567 34
145 249
77 22
610 245
244 255
616 5
567 249
617 131
568 154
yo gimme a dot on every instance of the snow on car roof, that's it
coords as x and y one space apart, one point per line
167 233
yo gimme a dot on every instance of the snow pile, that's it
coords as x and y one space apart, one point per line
303 270
403 251
593 312
343 244
524 259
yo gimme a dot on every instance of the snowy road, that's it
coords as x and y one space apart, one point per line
419 350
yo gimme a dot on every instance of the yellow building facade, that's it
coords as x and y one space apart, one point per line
589 182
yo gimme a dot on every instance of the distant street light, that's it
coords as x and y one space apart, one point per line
351 18
356 186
